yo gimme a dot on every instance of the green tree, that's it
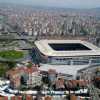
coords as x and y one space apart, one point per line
3 70
11 64
29 65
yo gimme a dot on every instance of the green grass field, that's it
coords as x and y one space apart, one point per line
11 54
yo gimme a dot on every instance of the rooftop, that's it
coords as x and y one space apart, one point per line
67 48
64 69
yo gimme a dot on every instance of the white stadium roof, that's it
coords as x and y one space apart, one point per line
46 49
64 69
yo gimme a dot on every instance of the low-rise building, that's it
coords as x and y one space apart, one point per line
52 75
24 76
76 84
34 79
59 84
14 76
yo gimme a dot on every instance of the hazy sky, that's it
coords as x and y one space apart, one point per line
59 3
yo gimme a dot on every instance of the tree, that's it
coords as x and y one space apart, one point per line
11 64
29 65
3 70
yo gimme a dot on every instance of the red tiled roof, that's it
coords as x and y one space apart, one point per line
23 69
79 82
59 83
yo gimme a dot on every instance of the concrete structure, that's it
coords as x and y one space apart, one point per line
72 48
67 56
52 75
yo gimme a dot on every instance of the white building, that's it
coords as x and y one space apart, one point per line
34 79
67 56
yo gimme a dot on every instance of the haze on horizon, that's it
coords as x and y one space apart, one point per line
58 3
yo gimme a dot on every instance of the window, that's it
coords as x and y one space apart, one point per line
80 62
60 61
95 61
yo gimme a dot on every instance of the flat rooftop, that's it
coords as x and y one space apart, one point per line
67 48
64 69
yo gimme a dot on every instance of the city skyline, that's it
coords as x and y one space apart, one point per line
56 3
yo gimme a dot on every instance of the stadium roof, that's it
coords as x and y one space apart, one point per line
67 48
64 69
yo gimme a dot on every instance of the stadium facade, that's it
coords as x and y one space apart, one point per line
67 56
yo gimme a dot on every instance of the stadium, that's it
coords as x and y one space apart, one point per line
67 56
